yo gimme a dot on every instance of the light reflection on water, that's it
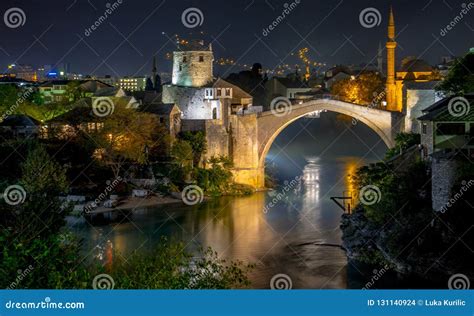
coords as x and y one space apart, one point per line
285 239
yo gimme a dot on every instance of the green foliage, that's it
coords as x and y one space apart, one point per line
403 141
197 140
182 153
398 191
40 214
460 79
171 267
8 96
216 180
362 89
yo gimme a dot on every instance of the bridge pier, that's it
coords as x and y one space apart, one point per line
254 177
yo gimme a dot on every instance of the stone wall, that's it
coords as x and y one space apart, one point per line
191 102
443 175
416 102
244 150
192 68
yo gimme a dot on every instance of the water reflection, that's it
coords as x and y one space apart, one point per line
288 238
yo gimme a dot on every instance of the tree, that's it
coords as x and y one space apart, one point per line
362 89
125 137
460 79
73 91
182 153
197 140
403 141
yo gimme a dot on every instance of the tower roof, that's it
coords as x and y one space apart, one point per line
391 25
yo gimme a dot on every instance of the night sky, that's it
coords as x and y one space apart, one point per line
125 43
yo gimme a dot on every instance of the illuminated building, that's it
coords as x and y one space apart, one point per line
132 83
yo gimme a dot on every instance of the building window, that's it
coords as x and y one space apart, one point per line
185 59
180 68
162 120
214 113
219 92
227 92
450 129
424 128
201 59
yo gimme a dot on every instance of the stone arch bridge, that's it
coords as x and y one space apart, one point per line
254 134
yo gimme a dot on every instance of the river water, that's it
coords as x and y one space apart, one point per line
292 230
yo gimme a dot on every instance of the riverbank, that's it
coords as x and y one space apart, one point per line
132 203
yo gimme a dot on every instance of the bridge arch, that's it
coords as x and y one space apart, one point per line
270 125
256 133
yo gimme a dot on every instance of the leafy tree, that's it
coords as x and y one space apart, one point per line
30 231
460 79
125 137
197 140
73 91
171 267
403 141
362 89
182 153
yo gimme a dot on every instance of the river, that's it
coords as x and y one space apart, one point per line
292 230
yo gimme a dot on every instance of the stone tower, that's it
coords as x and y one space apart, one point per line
391 86
193 67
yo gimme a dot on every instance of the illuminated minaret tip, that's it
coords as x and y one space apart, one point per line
391 26
390 84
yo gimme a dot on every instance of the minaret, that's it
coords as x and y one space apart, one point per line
391 85
154 73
